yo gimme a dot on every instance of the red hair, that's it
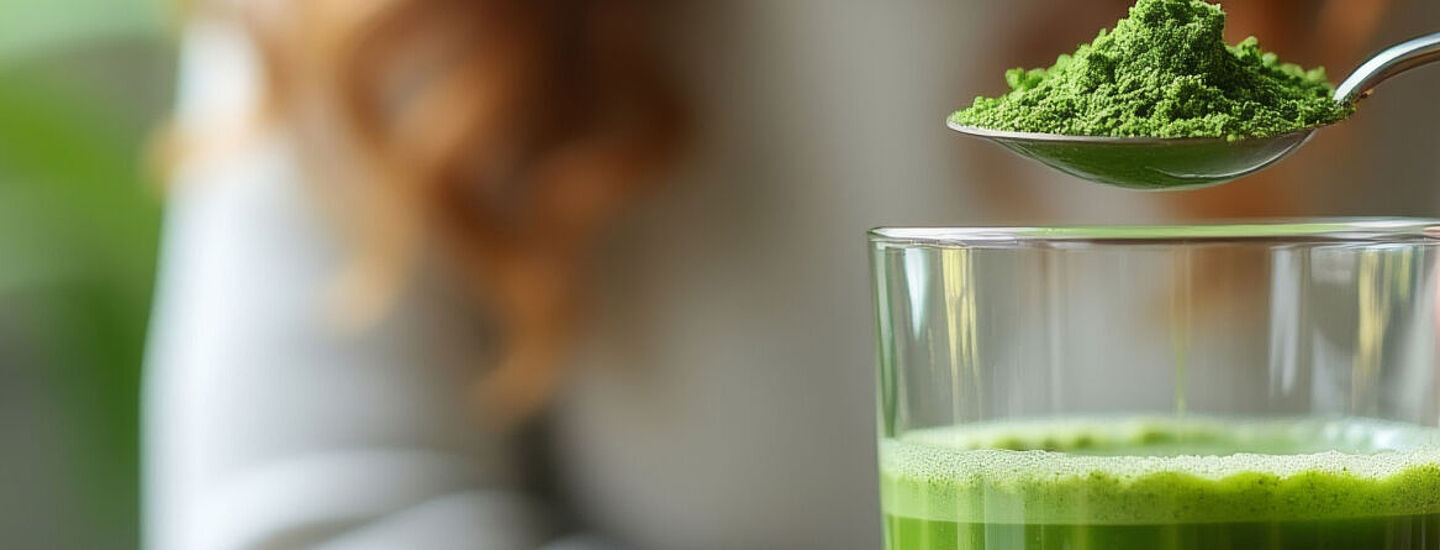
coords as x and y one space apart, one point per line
508 132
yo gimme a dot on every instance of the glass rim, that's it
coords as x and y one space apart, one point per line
1279 231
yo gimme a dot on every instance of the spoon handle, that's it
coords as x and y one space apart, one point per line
1395 60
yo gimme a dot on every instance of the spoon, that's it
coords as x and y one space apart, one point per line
1181 163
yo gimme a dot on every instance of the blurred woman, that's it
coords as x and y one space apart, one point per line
387 214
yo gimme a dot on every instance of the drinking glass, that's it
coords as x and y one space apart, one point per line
1261 385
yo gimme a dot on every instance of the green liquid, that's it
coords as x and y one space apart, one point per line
1164 483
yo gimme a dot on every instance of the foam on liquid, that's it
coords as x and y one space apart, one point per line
1162 470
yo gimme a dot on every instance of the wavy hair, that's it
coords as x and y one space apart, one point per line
505 134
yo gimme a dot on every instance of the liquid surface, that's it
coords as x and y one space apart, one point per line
1163 483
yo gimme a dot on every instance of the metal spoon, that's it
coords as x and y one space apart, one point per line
1180 163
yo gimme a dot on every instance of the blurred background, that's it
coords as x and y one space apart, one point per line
83 85
861 88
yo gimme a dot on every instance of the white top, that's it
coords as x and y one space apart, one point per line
268 427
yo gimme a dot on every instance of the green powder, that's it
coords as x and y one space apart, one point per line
1165 71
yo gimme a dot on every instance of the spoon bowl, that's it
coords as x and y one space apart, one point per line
1148 163
1188 163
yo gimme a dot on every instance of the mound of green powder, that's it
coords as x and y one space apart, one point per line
1165 71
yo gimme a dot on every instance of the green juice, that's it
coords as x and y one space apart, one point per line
1163 483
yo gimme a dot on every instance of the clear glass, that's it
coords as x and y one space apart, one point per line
1247 386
